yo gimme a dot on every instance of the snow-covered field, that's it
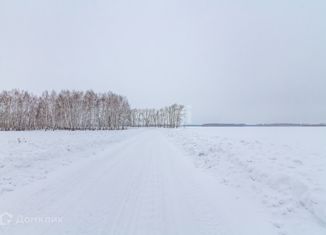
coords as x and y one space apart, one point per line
27 156
164 181
283 168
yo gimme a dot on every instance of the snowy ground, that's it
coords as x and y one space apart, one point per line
283 168
159 181
31 155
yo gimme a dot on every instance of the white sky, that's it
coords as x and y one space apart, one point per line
231 61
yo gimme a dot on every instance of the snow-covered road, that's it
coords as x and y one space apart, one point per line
141 185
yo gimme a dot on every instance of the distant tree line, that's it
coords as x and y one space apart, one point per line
77 110
170 116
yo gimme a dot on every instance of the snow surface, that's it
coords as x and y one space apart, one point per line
159 181
283 168
30 155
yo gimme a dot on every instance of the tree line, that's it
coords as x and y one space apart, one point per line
170 116
78 110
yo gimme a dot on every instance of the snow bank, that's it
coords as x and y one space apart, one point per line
284 168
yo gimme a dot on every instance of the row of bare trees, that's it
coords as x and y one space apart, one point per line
71 110
76 110
170 116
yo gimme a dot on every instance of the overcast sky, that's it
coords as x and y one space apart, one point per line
230 61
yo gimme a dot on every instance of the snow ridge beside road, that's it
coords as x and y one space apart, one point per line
284 168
